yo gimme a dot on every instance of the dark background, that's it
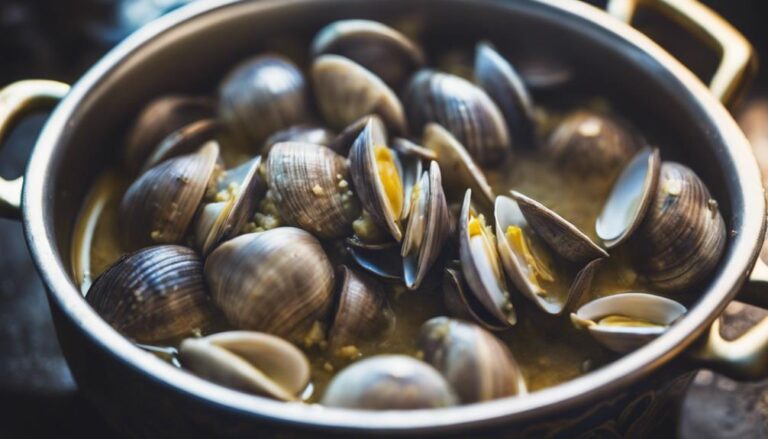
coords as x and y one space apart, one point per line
58 39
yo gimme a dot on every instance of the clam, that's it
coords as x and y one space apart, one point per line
157 120
375 171
279 281
563 237
476 364
481 266
535 270
629 199
626 321
428 227
159 206
185 140
380 259
377 47
303 133
589 143
389 382
260 96
500 80
461 303
683 235
253 362
463 109
346 91
460 170
362 312
222 220
153 295
311 187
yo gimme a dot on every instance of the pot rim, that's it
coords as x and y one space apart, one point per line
40 236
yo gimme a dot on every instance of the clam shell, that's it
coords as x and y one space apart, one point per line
563 237
482 270
589 143
346 91
463 109
343 142
365 172
410 160
279 281
382 260
362 312
260 96
500 80
389 382
407 148
683 234
308 184
428 228
157 120
642 306
153 295
253 362
475 363
461 303
460 170
629 199
304 133
377 47
185 140
159 206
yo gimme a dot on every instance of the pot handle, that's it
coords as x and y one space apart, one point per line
16 101
737 63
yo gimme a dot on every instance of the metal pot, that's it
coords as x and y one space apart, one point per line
187 50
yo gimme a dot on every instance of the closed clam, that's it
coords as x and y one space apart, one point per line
159 206
460 170
389 382
377 47
463 109
157 120
481 265
362 310
346 91
253 362
155 294
260 96
495 75
375 170
311 186
428 227
590 143
562 236
476 364
303 133
626 321
185 140
279 281
221 220
533 267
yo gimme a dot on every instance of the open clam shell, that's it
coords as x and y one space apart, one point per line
475 363
532 267
504 85
411 163
626 321
428 227
481 265
376 173
362 310
310 184
561 236
260 96
160 205
153 295
222 220
380 259
629 199
460 170
463 109
377 47
346 91
253 362
389 382
461 303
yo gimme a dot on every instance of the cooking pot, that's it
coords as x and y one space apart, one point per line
187 50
